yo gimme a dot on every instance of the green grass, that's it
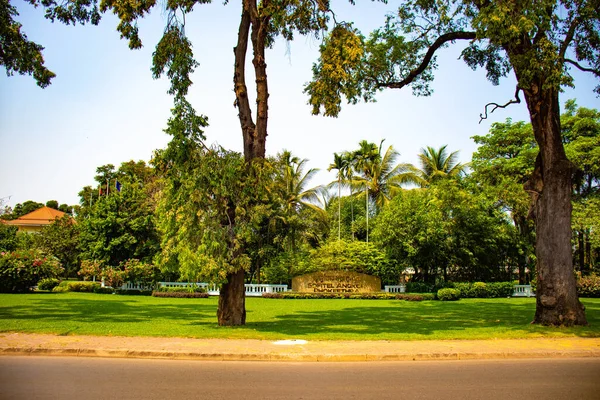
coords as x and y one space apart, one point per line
94 314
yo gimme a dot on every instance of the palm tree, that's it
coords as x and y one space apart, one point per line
384 178
437 164
341 164
378 174
294 194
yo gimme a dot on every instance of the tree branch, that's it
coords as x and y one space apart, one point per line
582 68
516 100
440 41
568 38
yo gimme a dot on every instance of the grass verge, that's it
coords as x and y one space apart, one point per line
95 314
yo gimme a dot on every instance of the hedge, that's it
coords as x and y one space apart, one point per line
187 294
361 296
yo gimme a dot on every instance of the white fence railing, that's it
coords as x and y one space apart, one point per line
523 291
394 288
252 290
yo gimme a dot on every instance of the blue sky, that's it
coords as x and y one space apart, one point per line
104 107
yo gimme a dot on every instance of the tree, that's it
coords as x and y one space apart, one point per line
340 163
61 240
540 41
437 164
502 164
378 173
119 225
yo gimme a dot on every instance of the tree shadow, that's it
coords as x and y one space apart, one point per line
400 320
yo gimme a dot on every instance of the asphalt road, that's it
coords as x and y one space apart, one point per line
98 378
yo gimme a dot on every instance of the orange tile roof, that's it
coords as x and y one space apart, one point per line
40 217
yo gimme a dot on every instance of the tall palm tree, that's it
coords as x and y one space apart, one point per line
293 191
437 164
341 164
383 177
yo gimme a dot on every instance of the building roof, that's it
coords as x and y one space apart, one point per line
40 217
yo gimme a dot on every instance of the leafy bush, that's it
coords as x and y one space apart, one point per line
134 292
588 286
415 297
361 296
113 277
180 294
418 287
448 294
22 269
182 289
104 290
140 272
89 269
48 284
82 286
361 257
484 290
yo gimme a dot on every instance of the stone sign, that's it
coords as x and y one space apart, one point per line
336 282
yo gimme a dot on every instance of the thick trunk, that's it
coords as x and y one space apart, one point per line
232 301
550 188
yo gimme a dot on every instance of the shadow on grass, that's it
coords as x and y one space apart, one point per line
420 320
268 318
114 310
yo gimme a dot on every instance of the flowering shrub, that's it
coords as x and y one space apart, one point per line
90 268
113 277
588 286
23 269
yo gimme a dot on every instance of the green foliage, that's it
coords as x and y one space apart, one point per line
355 256
448 294
103 290
588 286
61 239
181 294
484 290
402 52
354 296
209 212
135 292
8 237
186 289
418 287
445 231
90 269
113 277
22 269
82 286
48 284
120 225
135 271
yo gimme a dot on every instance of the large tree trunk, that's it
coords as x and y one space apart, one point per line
232 300
550 187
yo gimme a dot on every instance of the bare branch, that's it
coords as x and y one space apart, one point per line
516 100
582 68
447 37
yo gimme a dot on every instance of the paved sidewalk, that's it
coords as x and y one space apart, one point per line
289 350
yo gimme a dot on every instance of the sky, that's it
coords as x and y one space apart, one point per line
104 107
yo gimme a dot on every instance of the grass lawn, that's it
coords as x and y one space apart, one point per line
97 314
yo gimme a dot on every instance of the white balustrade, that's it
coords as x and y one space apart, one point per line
395 288
252 290
523 291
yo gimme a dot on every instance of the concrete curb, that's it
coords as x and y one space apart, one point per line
290 357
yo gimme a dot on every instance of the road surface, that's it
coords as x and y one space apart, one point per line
99 378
